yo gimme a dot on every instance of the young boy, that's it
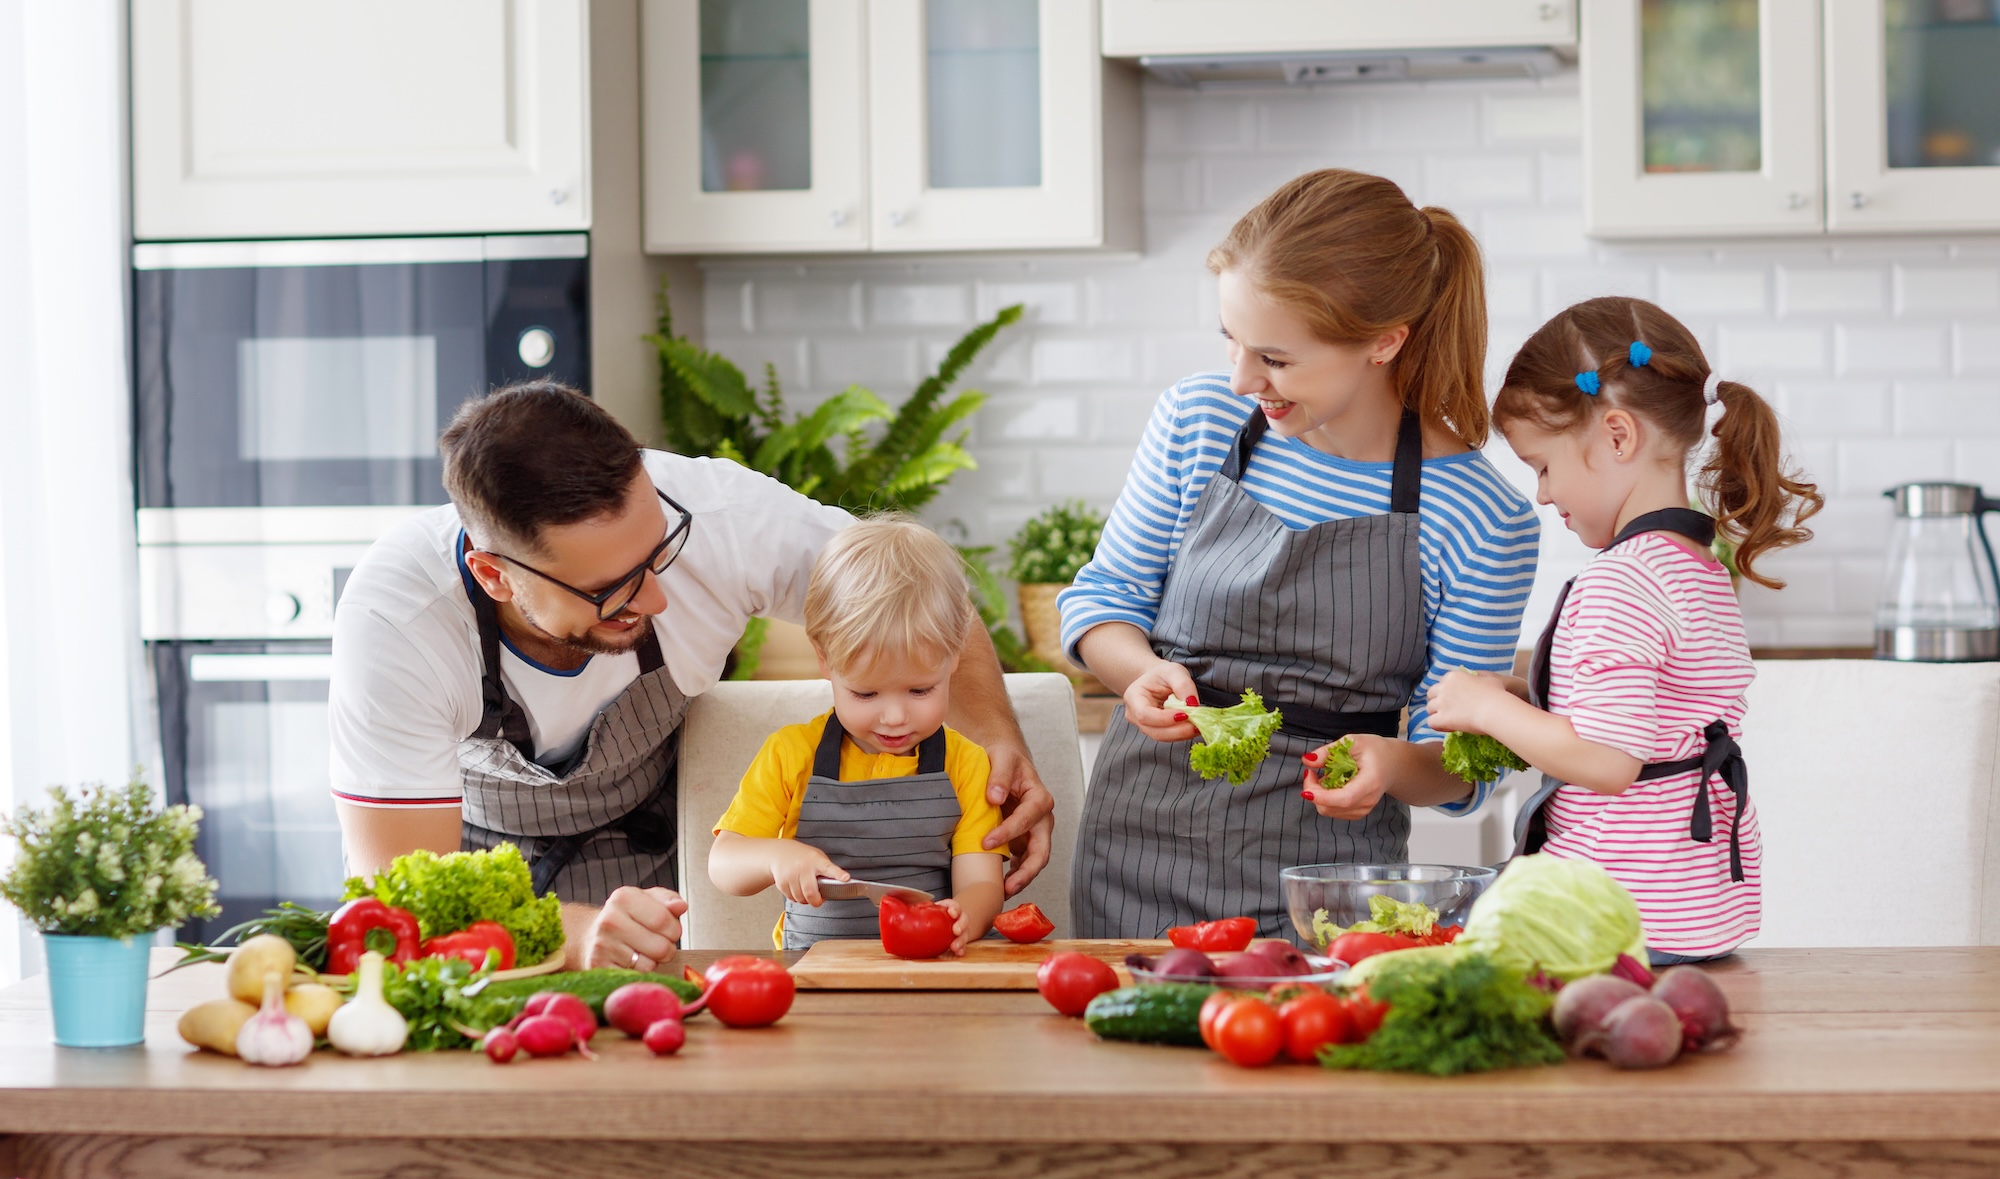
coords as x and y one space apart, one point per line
878 789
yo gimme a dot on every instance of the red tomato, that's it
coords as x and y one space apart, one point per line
1248 1032
1024 923
1365 1013
1227 936
1442 935
1210 1008
1353 947
1312 1021
746 992
921 930
1069 981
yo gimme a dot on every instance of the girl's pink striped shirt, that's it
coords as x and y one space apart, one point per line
1648 650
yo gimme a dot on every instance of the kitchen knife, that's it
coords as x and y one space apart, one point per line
847 890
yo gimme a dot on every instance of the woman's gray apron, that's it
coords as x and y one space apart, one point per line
1720 758
603 819
889 830
1327 624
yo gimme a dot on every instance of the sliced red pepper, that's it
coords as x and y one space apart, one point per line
915 931
1227 936
473 943
347 933
1353 947
1024 924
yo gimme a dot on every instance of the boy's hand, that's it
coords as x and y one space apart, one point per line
957 926
1462 700
796 868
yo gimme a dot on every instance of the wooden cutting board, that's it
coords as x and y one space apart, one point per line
991 965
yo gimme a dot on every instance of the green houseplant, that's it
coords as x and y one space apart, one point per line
852 450
96 873
1043 557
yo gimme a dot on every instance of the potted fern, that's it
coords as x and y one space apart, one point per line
853 450
97 873
1044 557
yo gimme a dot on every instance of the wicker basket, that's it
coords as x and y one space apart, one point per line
1043 622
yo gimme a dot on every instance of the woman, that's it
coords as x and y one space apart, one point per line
1316 527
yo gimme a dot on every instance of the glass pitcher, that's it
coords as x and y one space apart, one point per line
1940 598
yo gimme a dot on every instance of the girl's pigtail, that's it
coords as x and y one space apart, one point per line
1445 358
1757 503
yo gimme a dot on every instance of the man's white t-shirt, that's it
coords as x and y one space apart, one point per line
406 659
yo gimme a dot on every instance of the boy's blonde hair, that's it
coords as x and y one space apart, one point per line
887 586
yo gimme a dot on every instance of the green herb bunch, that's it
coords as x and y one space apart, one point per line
990 597
1049 549
1450 1012
448 892
430 994
106 863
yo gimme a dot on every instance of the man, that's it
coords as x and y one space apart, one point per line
515 665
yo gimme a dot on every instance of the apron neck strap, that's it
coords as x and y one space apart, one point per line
1696 526
826 759
1405 480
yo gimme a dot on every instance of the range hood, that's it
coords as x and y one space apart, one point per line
1213 71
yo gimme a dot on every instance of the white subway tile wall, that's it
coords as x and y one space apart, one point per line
1882 356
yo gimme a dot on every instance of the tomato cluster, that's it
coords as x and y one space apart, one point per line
1295 1022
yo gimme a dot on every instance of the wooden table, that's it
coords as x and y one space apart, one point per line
1856 1063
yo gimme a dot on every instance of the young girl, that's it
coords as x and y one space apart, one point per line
877 788
1635 698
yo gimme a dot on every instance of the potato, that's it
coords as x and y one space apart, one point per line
213 1025
315 1003
251 961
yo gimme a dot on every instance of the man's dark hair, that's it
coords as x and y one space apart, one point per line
531 455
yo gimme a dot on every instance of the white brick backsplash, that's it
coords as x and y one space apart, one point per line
1948 409
1308 123
1858 584
1085 360
1455 180
1856 525
1976 346
1816 462
1538 234
1977 461
1893 350
784 307
1566 286
786 354
1169 358
1172 185
726 307
1878 463
1118 417
1834 407
1809 585
1513 118
1748 351
1924 290
1033 419
1715 292
1197 124
887 366
1562 178
1828 291
1826 630
1008 360
1046 302
1233 184
1147 298
1442 122
1092 473
920 305
1512 291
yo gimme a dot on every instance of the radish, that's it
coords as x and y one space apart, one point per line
1582 1005
1641 1032
635 1007
572 1010
1698 1003
499 1045
666 1036
545 1035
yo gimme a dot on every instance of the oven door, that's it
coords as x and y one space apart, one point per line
244 731
315 375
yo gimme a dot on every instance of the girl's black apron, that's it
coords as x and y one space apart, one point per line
1328 625
1721 758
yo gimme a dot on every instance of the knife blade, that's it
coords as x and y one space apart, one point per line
847 890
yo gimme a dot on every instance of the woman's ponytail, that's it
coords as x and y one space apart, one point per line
1444 360
1757 503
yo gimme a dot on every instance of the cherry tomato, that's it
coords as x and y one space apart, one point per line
1365 1013
1024 923
1069 981
747 992
1312 1021
1210 1008
1248 1032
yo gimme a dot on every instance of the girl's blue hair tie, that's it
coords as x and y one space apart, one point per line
1588 382
1638 354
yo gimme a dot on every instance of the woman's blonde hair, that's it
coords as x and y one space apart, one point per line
887 586
1350 254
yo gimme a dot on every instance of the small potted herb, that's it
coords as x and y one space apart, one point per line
97 873
1044 557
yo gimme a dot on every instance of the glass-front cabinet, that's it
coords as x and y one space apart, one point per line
798 125
1701 117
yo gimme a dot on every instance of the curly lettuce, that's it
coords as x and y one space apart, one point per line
1477 757
448 892
1234 740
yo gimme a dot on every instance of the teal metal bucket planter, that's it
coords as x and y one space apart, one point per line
97 989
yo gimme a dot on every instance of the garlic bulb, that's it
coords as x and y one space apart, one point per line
366 1025
274 1036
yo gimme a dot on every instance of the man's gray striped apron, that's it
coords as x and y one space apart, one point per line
603 819
1327 624
889 830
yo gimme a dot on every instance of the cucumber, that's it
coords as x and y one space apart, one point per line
1163 1013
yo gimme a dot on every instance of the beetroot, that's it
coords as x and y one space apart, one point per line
1582 1005
1628 967
545 1035
1641 1032
1184 964
665 1036
1698 1003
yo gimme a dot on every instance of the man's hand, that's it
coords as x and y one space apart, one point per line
637 929
1028 811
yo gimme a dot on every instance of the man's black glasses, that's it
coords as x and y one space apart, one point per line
612 601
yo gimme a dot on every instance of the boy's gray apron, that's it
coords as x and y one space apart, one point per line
889 830
1721 758
1327 624
603 819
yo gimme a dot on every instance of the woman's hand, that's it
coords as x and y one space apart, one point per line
1156 702
796 868
1462 701
1377 759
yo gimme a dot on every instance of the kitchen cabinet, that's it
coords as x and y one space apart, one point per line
1769 117
1135 28
252 119
781 126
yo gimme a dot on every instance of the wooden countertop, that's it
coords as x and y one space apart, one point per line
1850 1046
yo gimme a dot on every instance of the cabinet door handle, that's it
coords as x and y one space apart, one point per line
837 218
1857 200
1795 200
1550 11
901 217
558 195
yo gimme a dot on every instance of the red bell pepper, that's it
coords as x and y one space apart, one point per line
1353 947
347 933
1226 936
472 944
1024 924
915 931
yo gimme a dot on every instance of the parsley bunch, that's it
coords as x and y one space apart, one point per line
1451 1011
449 892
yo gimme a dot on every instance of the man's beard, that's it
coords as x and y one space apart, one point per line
587 642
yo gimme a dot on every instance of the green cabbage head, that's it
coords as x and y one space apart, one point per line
1566 918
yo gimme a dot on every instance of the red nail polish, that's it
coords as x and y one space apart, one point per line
1306 794
1180 716
1192 700
1312 758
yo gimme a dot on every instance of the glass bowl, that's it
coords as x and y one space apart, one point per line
1325 971
1343 891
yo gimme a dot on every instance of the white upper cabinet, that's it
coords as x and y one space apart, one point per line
260 119
1701 117
755 125
1135 28
1761 117
1913 115
784 126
